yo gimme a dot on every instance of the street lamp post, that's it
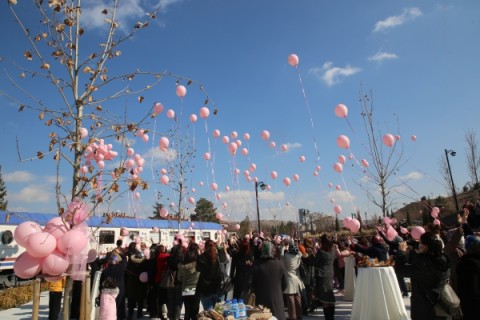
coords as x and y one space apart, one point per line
452 153
262 186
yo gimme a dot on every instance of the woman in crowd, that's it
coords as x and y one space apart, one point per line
108 306
428 269
136 290
292 259
161 271
209 280
269 280
468 278
116 270
188 276
241 271
174 293
324 279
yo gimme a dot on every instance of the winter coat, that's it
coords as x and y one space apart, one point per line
188 275
135 288
468 284
269 281
241 273
108 306
377 250
209 280
427 274
291 263
117 272
161 266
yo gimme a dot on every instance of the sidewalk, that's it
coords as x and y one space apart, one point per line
343 310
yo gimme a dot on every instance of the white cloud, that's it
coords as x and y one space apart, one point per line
395 21
341 196
19 177
156 155
53 179
332 75
380 56
32 193
411 176
128 12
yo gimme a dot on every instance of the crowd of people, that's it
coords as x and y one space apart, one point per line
291 277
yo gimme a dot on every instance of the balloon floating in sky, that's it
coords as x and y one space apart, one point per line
365 163
338 167
343 141
286 181
170 114
337 209
413 138
341 110
265 135
293 60
272 144
206 156
204 112
246 136
234 135
296 177
216 133
181 91
388 140
302 158
338 188
164 143
342 159
273 175
157 107
284 147
83 132
416 232
225 139
193 118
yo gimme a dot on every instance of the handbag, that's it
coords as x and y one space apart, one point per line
448 302
168 279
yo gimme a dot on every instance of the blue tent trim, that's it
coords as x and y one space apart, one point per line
15 218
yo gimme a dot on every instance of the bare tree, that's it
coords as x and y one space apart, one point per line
386 162
473 156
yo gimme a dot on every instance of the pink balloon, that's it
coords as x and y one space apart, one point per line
413 138
293 60
129 163
55 264
214 186
41 244
164 143
397 137
25 230
354 225
338 188
237 227
172 204
403 230
332 200
191 200
234 135
252 167
435 212
318 168
244 151
219 216
200 183
343 141
164 179
436 222
227 188
193 118
296 177
145 138
124 232
216 133
163 171
337 209
143 277
56 227
341 110
388 140
273 175
181 91
284 147
204 112
330 184
83 133
170 114
315 173
225 139
206 156
163 212
83 169
92 255
338 167
232 148
272 144
239 143
157 107
417 232
342 159
73 242
286 181
346 222
246 136
137 195
101 164
27 266
365 163
265 135
391 233
302 158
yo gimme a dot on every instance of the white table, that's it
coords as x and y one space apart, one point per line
378 296
349 280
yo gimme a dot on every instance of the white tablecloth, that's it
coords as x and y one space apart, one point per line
378 296
349 283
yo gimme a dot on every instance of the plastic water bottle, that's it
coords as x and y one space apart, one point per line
234 308
226 308
242 310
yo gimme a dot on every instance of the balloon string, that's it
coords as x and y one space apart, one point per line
309 113
350 198
151 156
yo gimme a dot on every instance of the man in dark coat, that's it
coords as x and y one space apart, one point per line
468 278
376 250
269 280
116 270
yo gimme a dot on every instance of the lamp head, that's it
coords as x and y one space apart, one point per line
453 153
262 185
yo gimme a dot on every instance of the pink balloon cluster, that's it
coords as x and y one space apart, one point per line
50 250
352 224
98 152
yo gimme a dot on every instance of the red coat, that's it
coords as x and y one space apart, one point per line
161 266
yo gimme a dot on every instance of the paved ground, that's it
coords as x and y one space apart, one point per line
342 310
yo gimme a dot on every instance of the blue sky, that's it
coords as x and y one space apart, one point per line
419 59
